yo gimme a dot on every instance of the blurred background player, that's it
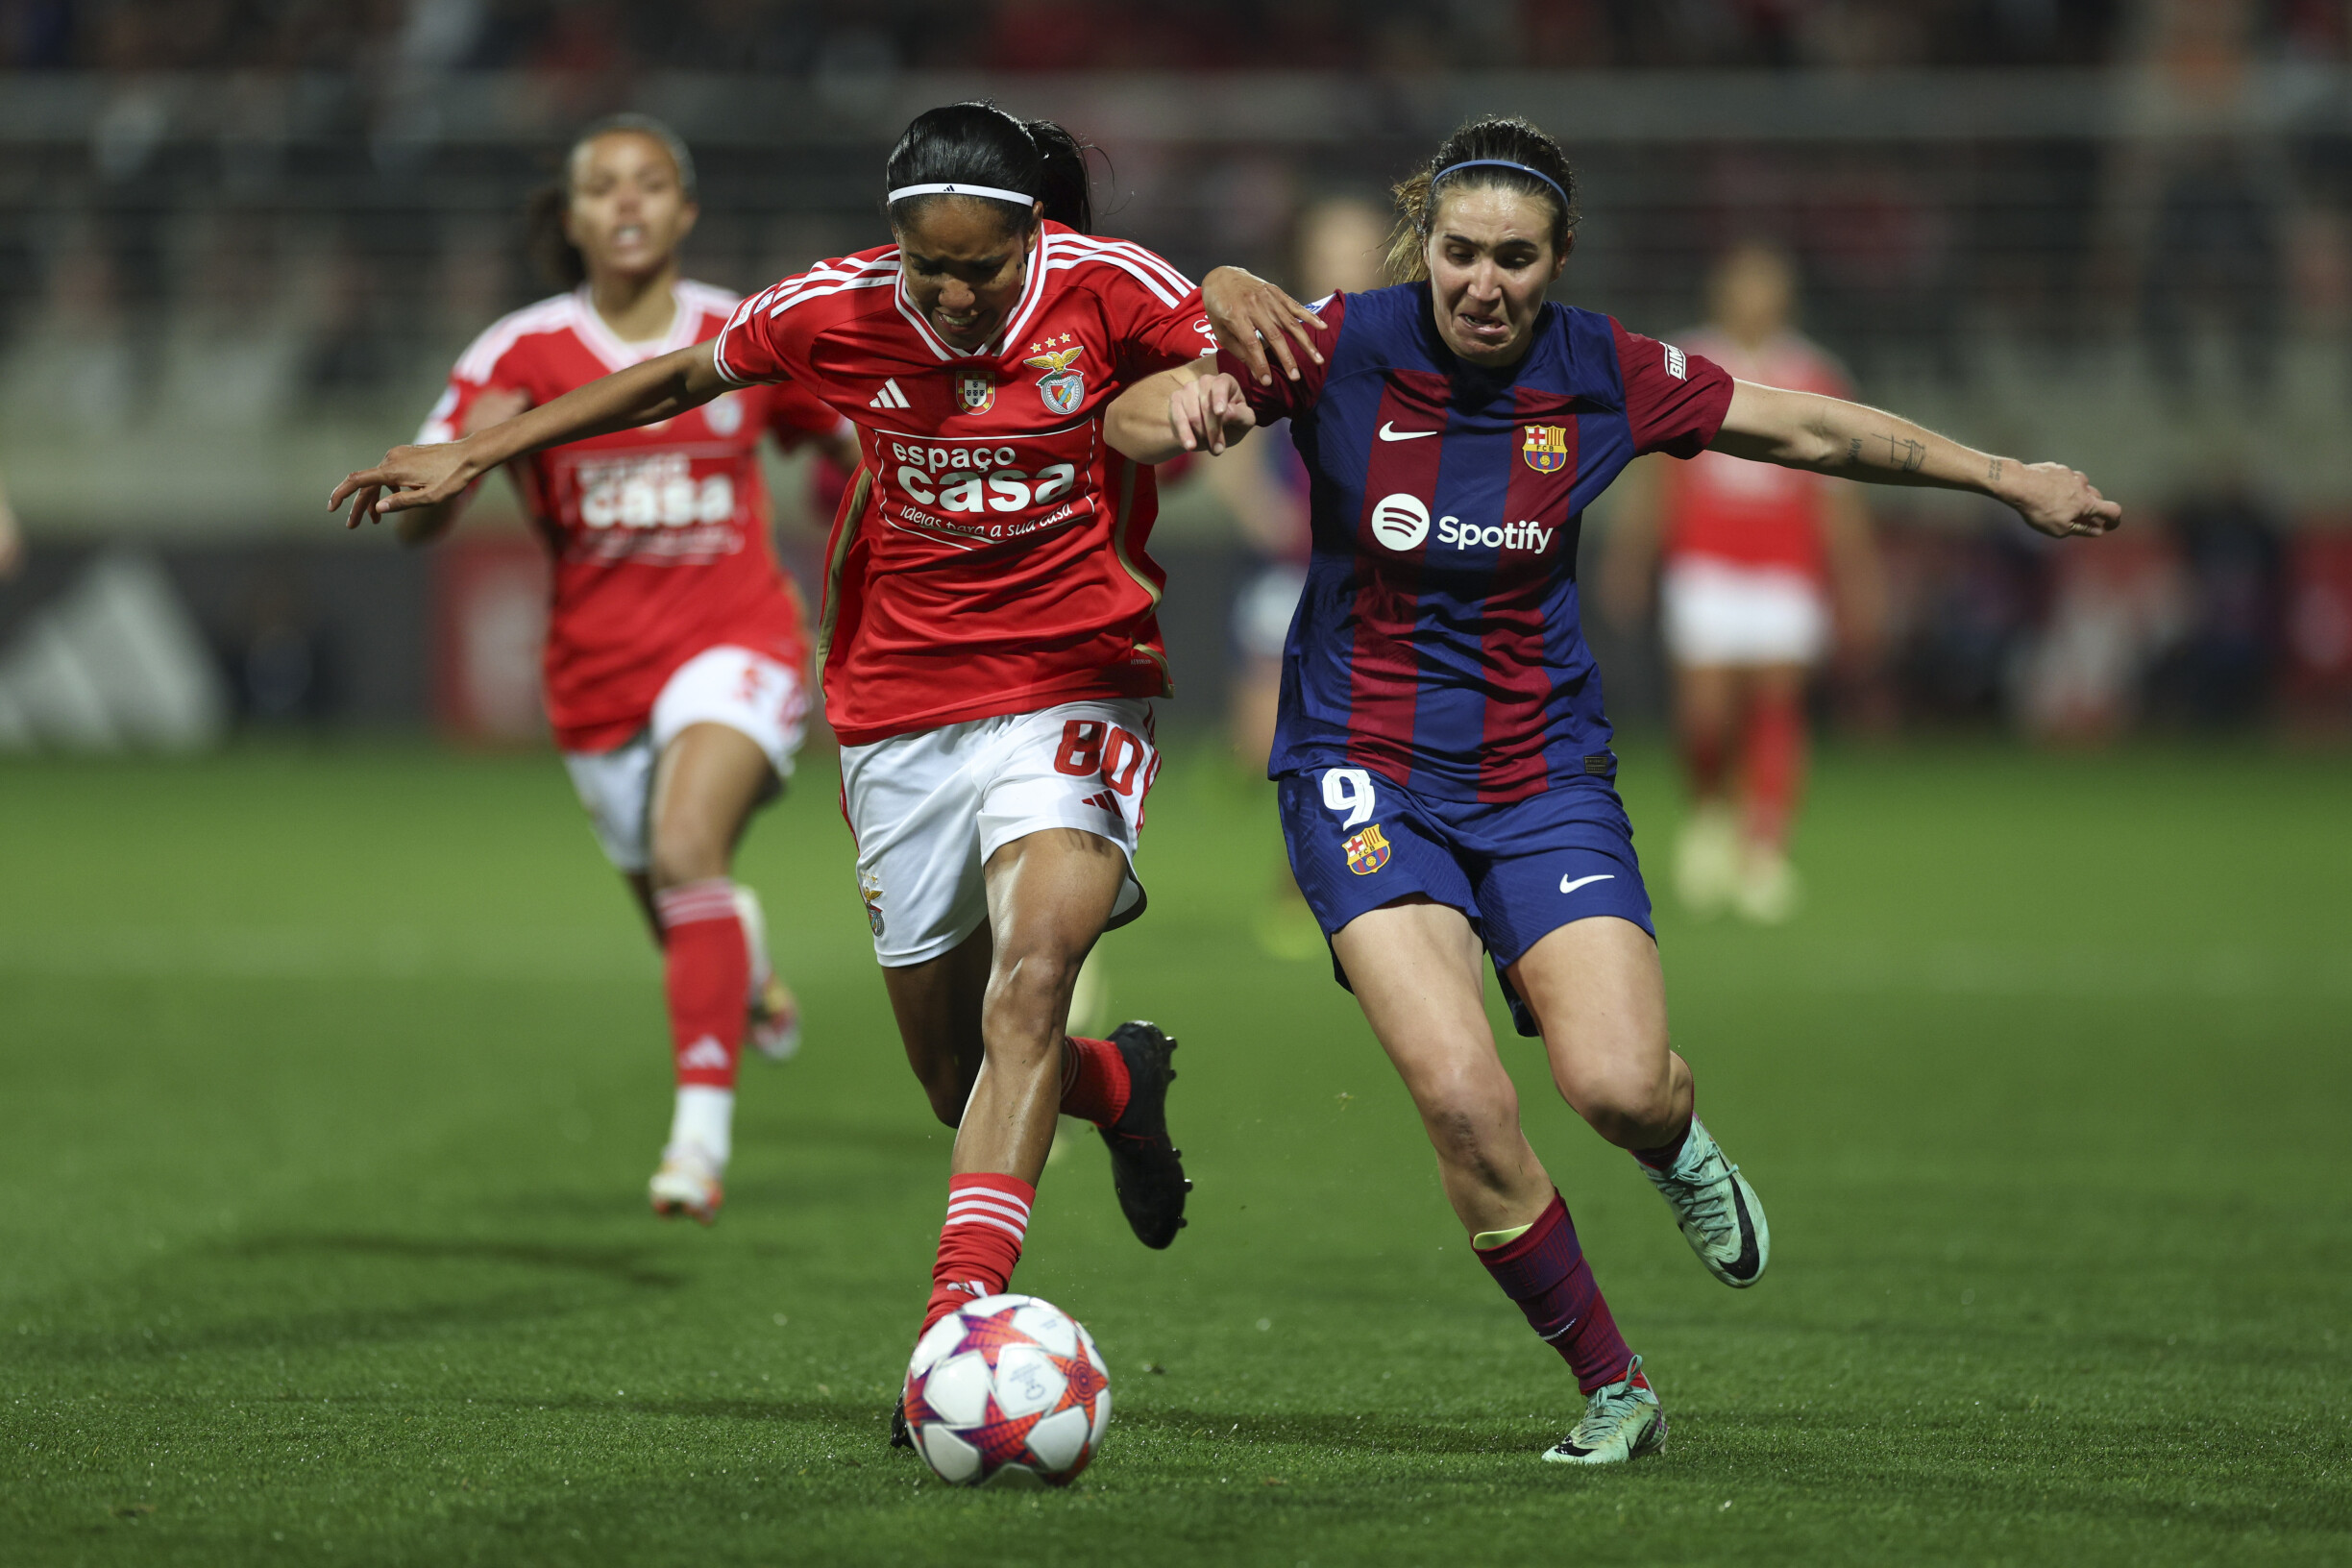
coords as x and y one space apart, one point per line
677 651
989 642
1447 788
1264 484
1757 569
11 537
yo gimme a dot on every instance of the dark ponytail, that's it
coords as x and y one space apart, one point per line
1489 145
552 254
979 144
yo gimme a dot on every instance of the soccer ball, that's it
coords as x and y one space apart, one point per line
1008 1391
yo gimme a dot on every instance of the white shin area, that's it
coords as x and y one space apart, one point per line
704 1118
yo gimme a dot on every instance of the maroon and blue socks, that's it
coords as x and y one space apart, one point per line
1543 1269
1664 1156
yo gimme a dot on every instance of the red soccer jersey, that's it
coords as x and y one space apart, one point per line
998 565
1753 514
660 535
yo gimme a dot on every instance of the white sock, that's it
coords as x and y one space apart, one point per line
705 1118
755 923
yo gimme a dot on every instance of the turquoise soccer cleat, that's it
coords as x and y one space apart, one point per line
1623 1421
1717 1209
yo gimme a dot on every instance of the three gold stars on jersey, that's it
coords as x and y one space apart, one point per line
1060 388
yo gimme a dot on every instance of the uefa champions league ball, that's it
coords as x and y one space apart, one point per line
1009 1390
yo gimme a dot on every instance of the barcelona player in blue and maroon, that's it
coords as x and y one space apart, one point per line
1442 753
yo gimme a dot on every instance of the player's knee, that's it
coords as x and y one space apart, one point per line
1620 1104
686 852
1029 987
1469 1110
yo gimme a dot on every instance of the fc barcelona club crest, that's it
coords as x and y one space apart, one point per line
975 391
1367 851
1061 388
1546 449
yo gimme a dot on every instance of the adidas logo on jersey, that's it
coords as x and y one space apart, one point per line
1103 800
890 397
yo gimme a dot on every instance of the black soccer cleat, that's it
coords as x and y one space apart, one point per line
1146 1167
900 1435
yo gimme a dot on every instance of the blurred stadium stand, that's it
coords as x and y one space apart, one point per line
241 241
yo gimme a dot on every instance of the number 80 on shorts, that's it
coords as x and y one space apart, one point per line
1091 746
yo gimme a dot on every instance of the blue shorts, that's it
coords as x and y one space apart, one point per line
1518 872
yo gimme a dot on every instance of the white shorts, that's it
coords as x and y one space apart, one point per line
1721 612
928 809
726 685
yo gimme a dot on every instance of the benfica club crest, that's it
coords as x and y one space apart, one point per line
1367 851
975 391
1546 449
1061 388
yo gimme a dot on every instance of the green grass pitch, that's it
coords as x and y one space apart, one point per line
331 1081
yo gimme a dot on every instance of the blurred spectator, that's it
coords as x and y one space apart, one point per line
2317 684
2219 672
279 657
2116 612
351 349
599 37
2212 258
1960 602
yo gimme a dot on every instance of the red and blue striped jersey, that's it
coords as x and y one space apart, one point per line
1438 640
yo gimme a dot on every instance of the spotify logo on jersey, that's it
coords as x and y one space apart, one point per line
1400 521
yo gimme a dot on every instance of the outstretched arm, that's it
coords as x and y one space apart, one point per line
422 525
644 393
1829 435
1189 409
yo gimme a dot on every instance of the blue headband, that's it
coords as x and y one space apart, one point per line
1500 163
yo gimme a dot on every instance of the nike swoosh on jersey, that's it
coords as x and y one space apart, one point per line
1567 886
1389 432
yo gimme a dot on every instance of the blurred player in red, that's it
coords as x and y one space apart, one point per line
1750 559
676 648
989 640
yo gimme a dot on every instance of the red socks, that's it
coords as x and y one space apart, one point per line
1095 1082
988 1213
1545 1272
706 974
1775 762
987 1216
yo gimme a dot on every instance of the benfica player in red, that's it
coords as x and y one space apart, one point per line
1442 756
676 648
988 639
1755 558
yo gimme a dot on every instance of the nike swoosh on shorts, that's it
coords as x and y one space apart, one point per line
1567 886
1389 432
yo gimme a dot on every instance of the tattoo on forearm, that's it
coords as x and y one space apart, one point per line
1853 450
1993 471
1904 454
